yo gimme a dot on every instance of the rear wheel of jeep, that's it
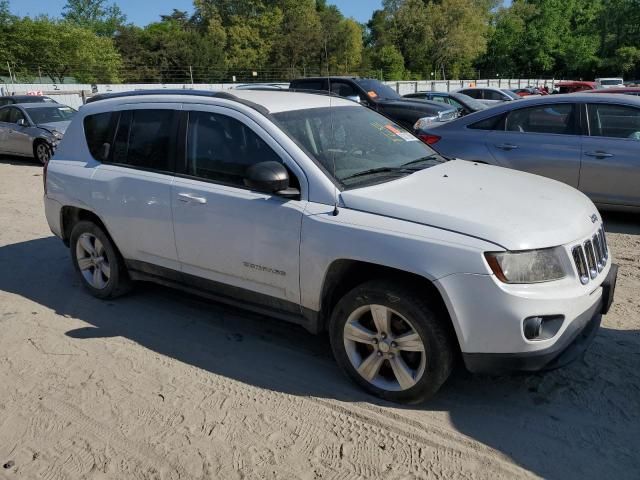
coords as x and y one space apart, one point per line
98 262
390 341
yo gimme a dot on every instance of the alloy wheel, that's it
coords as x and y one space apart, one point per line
384 348
93 261
42 152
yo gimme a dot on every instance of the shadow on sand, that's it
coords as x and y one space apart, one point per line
578 422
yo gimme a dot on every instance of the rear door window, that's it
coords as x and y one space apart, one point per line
616 121
310 85
558 119
493 95
4 115
144 139
343 89
473 93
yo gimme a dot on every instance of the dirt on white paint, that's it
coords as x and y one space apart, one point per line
163 385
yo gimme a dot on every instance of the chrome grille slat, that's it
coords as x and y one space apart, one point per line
591 259
597 247
581 264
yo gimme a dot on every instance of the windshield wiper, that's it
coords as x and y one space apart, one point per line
373 171
433 156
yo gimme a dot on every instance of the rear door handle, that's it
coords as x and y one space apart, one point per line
191 198
507 146
599 154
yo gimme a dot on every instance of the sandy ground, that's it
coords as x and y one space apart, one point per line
160 385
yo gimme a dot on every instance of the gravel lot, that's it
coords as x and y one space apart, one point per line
161 385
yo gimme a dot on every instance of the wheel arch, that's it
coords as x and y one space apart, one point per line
344 275
70 216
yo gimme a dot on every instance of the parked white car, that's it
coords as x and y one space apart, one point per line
609 82
322 212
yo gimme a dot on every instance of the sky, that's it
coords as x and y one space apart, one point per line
142 12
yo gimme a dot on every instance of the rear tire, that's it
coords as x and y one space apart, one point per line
98 262
42 151
392 341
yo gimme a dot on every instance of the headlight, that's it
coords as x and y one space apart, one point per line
57 134
424 122
532 266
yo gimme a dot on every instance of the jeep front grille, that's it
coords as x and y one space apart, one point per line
591 257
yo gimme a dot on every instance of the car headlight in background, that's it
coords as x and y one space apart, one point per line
57 134
532 266
444 116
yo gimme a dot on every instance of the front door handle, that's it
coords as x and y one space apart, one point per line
191 198
599 154
507 146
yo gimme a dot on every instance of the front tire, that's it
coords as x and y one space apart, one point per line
97 261
390 340
42 151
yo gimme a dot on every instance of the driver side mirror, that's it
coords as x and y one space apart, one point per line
21 122
354 98
270 177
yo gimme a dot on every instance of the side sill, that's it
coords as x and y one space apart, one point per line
222 293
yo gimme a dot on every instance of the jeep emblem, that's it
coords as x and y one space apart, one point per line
594 218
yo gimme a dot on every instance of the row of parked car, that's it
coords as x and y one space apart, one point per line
589 140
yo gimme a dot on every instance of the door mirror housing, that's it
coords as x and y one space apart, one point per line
270 177
21 122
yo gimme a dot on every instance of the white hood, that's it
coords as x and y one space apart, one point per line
516 210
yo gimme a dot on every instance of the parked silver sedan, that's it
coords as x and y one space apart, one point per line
33 129
591 142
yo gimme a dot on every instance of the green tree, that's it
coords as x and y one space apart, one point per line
95 15
389 61
62 50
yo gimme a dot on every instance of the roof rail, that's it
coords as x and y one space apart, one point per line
167 91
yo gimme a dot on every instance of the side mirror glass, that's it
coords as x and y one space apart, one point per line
354 98
269 177
21 122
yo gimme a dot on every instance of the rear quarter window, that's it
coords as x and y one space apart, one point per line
491 123
98 131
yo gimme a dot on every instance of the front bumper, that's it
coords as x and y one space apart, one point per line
570 346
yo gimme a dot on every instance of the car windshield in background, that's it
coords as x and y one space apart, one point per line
51 114
611 82
356 145
470 102
377 90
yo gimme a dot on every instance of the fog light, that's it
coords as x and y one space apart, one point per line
533 327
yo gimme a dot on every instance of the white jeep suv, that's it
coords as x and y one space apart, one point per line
319 211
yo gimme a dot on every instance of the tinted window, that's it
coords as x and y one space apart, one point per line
5 101
4 115
472 93
143 139
491 123
15 115
439 99
221 148
493 95
614 121
98 130
557 119
343 89
309 85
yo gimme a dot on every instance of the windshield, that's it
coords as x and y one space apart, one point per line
612 81
51 114
377 90
365 146
472 103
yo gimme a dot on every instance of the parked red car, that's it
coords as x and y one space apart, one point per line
528 91
624 90
571 87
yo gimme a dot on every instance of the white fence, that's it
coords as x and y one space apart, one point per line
75 95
